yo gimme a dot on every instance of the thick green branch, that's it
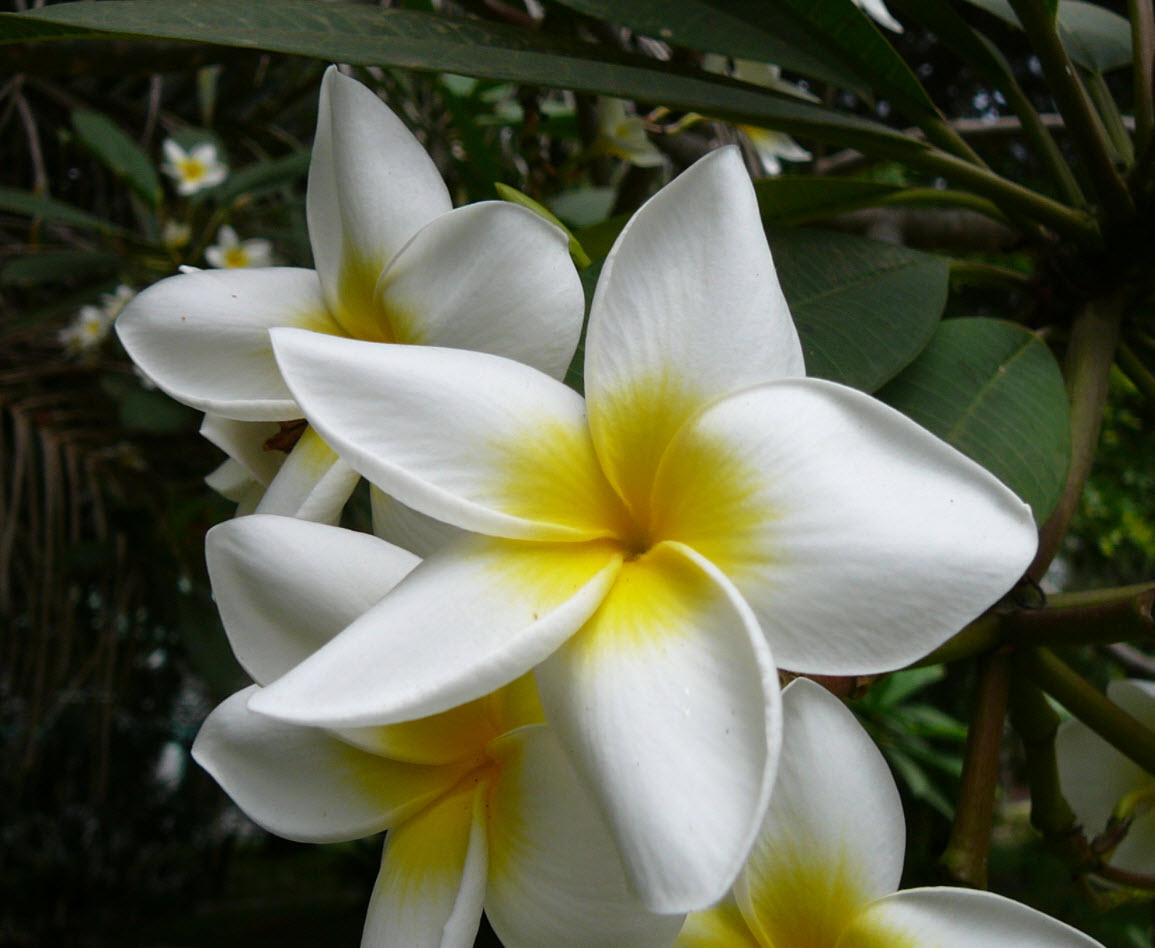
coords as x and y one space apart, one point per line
969 847
1087 131
1090 352
1081 619
1106 719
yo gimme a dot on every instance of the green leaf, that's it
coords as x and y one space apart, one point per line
114 149
832 40
15 201
864 309
994 391
1096 38
797 199
57 266
506 193
264 176
369 36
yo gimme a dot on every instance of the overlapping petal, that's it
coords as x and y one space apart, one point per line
313 483
688 308
371 188
473 439
668 702
406 528
203 337
719 927
285 587
1096 778
451 286
860 540
956 918
833 837
431 885
305 784
244 442
468 620
555 876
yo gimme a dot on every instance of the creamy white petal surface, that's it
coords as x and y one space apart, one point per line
313 483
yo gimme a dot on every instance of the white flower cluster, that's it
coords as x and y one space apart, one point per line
92 324
552 672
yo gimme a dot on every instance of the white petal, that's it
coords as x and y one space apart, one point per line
860 540
244 442
475 440
405 527
285 587
555 877
878 12
721 926
371 188
957 918
492 277
203 337
305 784
834 835
668 702
232 481
432 881
470 619
312 484
688 308
1095 777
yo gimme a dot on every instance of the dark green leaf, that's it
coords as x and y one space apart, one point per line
864 309
261 177
15 201
114 149
57 266
1096 38
797 199
994 391
370 36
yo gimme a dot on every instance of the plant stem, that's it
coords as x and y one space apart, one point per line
1108 111
1122 619
1090 350
1106 719
969 847
947 137
1143 50
1087 132
981 273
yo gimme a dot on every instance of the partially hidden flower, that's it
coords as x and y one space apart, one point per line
825 868
623 135
646 546
394 263
91 325
877 11
194 170
482 808
231 252
1106 789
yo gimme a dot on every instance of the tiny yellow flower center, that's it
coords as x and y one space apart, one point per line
237 257
191 169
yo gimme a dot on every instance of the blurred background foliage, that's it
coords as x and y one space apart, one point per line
112 653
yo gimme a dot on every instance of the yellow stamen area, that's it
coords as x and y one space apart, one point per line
719 927
358 310
805 903
191 170
554 477
236 257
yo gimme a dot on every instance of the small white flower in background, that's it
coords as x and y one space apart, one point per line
1100 782
876 10
91 325
175 235
193 170
229 252
88 329
825 868
483 809
772 148
624 135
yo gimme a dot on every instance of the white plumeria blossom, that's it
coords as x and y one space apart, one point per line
877 11
394 263
646 546
1100 782
194 170
482 807
88 329
623 135
230 252
826 864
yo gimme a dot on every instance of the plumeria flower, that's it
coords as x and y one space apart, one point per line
772 148
231 252
877 11
194 170
395 263
1100 782
824 871
646 546
624 135
88 329
482 807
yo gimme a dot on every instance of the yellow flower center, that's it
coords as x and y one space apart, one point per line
191 169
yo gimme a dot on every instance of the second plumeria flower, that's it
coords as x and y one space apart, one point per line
230 252
648 545
194 170
394 263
